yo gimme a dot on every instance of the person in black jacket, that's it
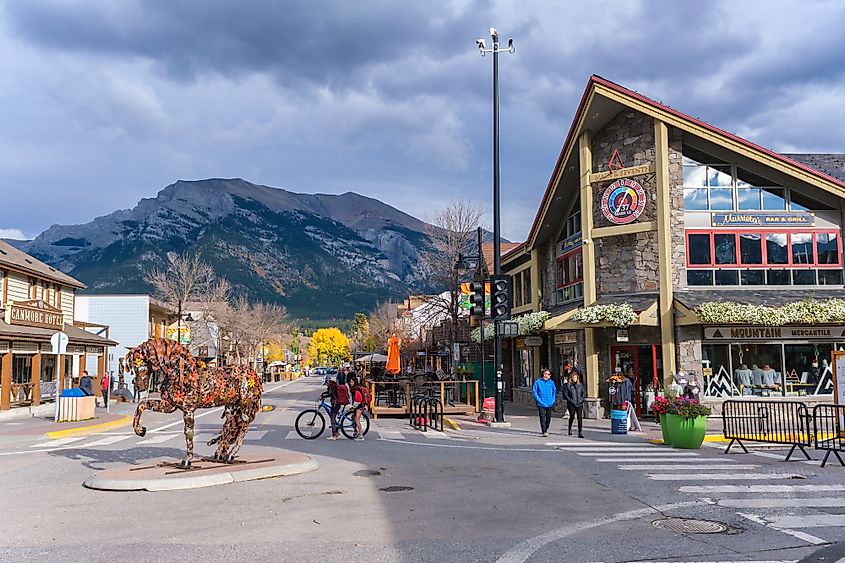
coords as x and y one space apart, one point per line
573 392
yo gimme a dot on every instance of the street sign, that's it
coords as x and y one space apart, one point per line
59 341
508 329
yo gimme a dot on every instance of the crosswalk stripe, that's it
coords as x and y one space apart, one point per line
759 488
587 444
158 439
57 443
626 459
391 435
292 435
685 467
719 476
108 440
255 434
622 450
641 454
781 502
808 521
433 434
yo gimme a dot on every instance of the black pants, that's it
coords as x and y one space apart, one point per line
545 418
573 412
335 422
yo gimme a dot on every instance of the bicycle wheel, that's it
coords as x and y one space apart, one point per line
310 424
347 424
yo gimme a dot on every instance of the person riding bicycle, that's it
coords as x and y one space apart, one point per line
331 393
359 399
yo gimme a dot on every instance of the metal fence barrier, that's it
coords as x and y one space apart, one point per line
829 430
773 422
426 412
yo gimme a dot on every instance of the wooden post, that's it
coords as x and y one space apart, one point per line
6 381
664 251
476 396
591 367
36 379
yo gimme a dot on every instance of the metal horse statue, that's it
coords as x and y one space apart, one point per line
187 385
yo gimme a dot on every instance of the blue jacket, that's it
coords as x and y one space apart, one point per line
544 392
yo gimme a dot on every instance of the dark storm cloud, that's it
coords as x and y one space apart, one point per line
317 42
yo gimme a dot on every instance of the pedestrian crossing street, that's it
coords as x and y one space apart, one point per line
782 496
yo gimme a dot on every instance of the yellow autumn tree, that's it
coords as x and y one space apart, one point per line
328 346
275 351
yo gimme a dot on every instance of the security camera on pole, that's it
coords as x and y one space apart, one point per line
497 267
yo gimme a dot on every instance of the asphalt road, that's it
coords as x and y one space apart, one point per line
472 495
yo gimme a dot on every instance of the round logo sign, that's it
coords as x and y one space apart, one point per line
623 201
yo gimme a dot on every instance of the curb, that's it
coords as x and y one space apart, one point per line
708 438
452 424
200 480
90 429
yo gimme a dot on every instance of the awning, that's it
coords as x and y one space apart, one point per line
644 305
30 333
686 302
371 359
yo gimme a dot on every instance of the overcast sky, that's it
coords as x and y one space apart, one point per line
106 102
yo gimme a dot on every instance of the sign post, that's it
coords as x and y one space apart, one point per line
59 341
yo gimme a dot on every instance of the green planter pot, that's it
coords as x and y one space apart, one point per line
687 433
664 427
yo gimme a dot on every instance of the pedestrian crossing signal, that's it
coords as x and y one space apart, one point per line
476 299
501 298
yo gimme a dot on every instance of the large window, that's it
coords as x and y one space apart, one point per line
570 276
710 185
763 258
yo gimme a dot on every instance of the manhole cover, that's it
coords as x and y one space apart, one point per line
367 473
689 526
396 489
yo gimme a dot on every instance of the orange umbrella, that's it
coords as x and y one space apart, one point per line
393 355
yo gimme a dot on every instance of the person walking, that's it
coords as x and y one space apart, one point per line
86 383
105 387
545 393
574 394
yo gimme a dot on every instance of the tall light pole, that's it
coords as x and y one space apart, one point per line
497 266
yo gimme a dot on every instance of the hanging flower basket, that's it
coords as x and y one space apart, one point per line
621 315
808 311
528 324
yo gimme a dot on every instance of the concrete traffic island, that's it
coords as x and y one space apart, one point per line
165 475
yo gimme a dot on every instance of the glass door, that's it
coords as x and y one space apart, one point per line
626 358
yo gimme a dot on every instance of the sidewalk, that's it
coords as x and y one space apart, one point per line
42 422
525 420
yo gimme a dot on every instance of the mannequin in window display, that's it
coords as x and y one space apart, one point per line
756 375
743 375
768 376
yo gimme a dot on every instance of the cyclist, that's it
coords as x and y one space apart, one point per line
359 402
331 393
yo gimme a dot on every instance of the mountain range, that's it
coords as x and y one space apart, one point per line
321 256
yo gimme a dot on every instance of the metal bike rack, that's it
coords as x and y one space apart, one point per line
426 412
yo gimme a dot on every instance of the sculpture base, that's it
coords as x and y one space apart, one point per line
166 475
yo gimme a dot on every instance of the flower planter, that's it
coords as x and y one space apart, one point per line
664 428
687 433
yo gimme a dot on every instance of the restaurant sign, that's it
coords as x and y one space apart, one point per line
745 333
798 219
623 201
35 313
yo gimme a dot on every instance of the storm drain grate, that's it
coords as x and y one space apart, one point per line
396 489
689 526
367 473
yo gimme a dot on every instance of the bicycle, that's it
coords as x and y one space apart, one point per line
311 423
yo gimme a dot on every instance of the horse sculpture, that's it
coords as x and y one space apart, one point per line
187 384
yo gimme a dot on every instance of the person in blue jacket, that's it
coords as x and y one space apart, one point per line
545 393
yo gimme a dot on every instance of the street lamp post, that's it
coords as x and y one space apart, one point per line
497 266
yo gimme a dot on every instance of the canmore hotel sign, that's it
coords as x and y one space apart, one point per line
34 313
745 333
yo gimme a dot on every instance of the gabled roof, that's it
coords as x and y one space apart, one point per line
20 261
504 248
601 87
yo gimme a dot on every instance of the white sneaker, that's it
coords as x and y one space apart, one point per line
331 438
359 438
545 434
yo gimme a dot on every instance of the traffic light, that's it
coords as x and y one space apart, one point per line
476 299
500 298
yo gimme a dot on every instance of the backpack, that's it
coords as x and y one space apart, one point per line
342 395
366 398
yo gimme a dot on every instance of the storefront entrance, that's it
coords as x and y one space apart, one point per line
640 364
